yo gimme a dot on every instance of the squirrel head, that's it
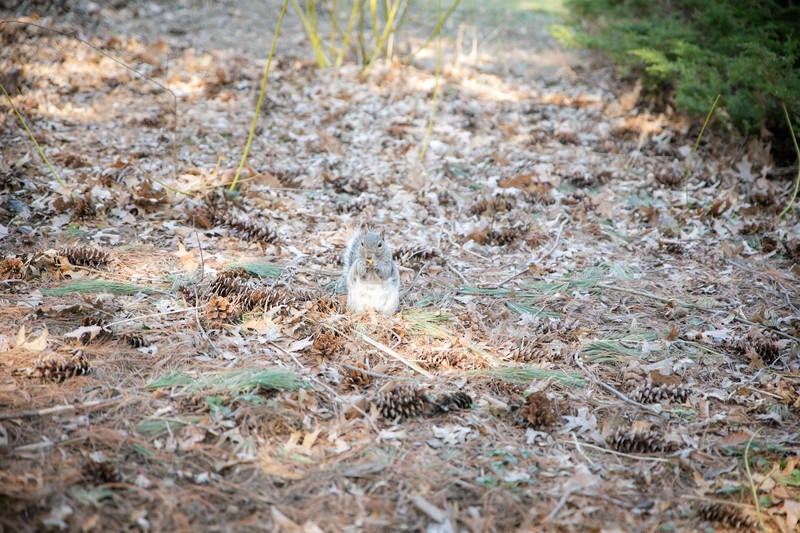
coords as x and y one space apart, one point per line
373 247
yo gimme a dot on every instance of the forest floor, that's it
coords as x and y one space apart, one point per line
590 338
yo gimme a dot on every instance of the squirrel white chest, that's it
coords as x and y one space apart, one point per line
371 293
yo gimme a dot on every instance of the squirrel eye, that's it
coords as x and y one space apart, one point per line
380 244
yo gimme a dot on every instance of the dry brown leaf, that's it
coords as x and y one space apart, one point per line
726 201
792 510
520 181
626 102
187 258
734 439
36 345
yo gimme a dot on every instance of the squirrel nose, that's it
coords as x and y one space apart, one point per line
370 260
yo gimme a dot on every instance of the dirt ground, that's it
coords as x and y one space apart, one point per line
599 328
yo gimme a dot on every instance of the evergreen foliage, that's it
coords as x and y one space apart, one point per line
689 51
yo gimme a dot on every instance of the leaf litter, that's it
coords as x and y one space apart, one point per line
587 341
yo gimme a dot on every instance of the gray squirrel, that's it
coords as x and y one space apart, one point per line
370 276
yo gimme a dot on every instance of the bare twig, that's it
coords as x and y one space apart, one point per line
609 388
373 374
614 452
59 409
457 273
140 75
537 259
656 297
388 351
783 290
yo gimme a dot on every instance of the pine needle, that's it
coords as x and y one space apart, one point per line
525 308
159 426
607 351
430 323
262 270
240 380
98 285
524 374
483 292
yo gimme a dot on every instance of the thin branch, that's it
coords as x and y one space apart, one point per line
388 351
373 374
59 409
611 389
536 260
614 452
74 35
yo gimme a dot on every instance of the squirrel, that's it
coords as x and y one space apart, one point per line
371 276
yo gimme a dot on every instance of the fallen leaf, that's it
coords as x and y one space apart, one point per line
792 509
519 181
36 345
734 439
187 258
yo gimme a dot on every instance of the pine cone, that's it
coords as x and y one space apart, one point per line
56 367
356 379
451 402
649 393
416 256
327 344
252 298
403 401
229 282
85 256
99 473
324 303
11 268
249 229
649 441
490 206
505 236
358 204
768 350
103 335
219 309
725 514
135 340
539 411
529 349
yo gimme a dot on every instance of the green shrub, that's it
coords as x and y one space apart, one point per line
690 51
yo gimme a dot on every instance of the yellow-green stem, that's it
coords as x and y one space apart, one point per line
753 489
346 39
797 151
316 45
694 150
373 13
30 134
437 30
72 35
260 98
429 129
387 29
